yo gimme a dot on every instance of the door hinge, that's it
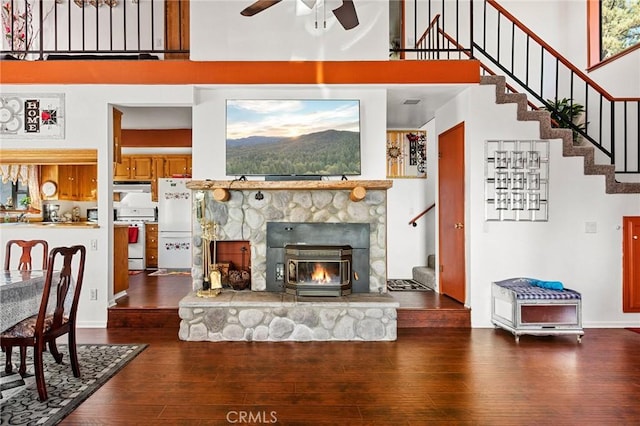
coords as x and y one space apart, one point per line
439 155
441 268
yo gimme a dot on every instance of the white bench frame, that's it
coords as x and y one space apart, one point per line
507 313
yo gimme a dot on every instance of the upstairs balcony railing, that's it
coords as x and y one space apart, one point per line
59 29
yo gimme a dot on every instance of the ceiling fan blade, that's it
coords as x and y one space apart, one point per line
347 15
258 7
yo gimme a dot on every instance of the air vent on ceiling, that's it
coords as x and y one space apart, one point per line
411 101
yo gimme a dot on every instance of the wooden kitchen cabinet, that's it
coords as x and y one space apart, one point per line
67 185
121 170
158 166
134 167
177 165
120 258
151 168
78 182
151 245
117 135
142 168
87 181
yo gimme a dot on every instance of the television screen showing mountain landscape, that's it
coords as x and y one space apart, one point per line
293 137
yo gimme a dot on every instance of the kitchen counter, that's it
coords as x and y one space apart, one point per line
49 224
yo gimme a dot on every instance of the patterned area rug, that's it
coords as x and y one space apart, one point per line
98 363
406 285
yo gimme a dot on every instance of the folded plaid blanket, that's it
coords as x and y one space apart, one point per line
524 289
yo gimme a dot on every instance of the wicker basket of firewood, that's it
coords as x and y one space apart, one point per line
239 279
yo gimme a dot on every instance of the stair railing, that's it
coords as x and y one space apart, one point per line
531 66
611 124
413 221
428 45
485 69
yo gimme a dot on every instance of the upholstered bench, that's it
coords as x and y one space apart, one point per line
524 306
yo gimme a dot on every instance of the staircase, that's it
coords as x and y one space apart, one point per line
426 274
569 149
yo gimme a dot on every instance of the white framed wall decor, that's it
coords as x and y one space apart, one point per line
30 116
516 180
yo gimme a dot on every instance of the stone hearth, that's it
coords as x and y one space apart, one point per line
269 317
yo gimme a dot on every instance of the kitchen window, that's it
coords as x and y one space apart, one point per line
15 184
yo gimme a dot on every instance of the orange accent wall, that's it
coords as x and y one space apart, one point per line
250 72
143 138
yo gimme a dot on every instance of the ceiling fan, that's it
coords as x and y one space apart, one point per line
346 13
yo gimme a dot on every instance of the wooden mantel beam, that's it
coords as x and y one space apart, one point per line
221 189
293 185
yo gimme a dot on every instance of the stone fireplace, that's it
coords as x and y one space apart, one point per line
312 211
292 227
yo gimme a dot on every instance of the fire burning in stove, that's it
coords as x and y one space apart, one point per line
320 274
318 270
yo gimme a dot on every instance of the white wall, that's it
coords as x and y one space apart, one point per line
558 249
286 32
407 246
208 131
88 125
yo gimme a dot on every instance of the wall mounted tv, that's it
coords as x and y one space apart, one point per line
292 137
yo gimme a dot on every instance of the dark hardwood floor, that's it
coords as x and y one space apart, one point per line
428 376
152 301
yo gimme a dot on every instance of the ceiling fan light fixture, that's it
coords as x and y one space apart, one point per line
309 3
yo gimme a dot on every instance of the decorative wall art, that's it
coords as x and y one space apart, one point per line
516 180
32 116
406 154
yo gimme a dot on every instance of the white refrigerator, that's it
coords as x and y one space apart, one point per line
174 224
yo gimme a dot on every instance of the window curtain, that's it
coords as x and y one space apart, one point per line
28 175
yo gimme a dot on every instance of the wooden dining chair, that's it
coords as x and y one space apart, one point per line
53 319
25 258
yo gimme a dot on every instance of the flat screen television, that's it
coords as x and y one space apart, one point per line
293 137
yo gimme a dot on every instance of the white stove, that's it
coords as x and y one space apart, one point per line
135 218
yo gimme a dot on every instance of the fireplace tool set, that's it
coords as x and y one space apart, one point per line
211 280
215 274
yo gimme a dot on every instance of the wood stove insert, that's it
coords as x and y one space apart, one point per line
316 270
